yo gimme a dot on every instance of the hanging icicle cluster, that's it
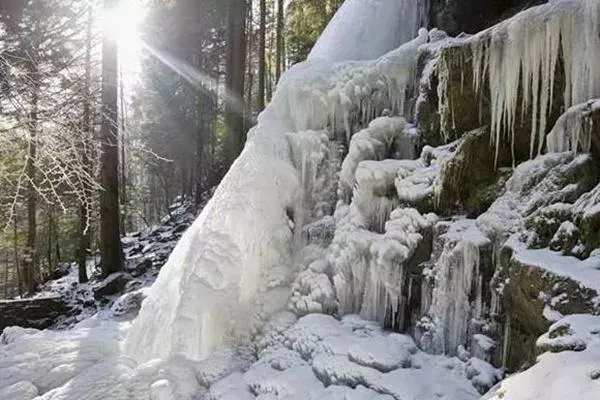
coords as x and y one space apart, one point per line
521 56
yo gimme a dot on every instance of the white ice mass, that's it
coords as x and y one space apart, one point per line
235 264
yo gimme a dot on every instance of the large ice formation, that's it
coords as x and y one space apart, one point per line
397 23
235 264
520 56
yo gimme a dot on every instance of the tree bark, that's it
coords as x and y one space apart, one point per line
85 237
110 235
16 251
31 260
279 40
123 137
236 61
262 62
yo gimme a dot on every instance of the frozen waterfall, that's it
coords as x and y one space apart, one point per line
364 30
233 267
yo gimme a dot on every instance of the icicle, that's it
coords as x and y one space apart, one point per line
457 276
521 56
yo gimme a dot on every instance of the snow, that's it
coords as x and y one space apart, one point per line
213 288
320 357
384 137
369 267
212 325
564 374
535 184
397 23
519 57
291 359
586 272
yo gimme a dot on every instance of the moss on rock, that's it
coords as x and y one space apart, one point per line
470 181
526 291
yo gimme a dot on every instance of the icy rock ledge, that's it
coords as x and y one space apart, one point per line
563 373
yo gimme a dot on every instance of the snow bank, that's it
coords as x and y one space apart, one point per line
320 357
586 272
565 374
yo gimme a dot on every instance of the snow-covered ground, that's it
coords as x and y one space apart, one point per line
316 357
570 370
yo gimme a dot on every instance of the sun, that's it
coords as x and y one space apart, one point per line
123 24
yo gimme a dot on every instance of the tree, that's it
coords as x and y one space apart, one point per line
235 71
110 235
262 62
306 20
84 227
280 59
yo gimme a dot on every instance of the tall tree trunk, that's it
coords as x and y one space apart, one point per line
262 62
123 137
30 261
279 39
236 60
85 237
6 275
49 249
16 251
110 235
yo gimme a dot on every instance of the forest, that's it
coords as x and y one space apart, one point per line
299 199
98 141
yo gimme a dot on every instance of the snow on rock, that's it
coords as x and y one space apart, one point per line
546 180
397 23
386 137
586 272
519 57
564 374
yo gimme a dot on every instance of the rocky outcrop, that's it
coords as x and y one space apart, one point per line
471 16
532 298
37 313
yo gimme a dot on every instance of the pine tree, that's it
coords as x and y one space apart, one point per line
110 235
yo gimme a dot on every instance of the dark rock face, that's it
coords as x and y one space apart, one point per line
472 16
472 178
112 285
32 313
529 291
